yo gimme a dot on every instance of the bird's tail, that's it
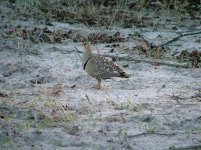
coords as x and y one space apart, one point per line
124 75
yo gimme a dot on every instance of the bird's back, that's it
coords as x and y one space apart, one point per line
99 67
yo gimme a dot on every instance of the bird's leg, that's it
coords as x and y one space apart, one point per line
98 86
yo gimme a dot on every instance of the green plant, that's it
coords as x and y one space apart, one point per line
5 140
151 128
128 106
59 143
122 130
48 103
45 123
68 118
32 104
23 125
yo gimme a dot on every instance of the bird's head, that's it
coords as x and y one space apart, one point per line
86 45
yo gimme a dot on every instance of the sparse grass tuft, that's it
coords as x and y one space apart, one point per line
128 106
122 130
31 104
151 128
68 118
5 140
59 143
45 123
21 126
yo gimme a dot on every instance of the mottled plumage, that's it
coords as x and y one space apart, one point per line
99 67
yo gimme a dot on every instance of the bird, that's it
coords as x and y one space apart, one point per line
99 67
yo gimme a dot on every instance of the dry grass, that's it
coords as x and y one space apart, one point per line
124 13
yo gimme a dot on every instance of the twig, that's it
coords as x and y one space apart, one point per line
78 52
150 61
145 40
2 94
178 37
197 97
128 145
176 98
158 133
149 133
62 106
187 147
124 120
39 35
88 99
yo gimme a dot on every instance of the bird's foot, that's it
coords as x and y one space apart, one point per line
98 86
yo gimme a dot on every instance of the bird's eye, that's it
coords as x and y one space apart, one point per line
84 43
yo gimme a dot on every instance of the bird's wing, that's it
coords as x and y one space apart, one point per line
106 68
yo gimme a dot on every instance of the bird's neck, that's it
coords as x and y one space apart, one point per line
88 51
86 55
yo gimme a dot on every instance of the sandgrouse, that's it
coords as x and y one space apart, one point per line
99 67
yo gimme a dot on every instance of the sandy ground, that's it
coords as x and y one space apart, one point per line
48 101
